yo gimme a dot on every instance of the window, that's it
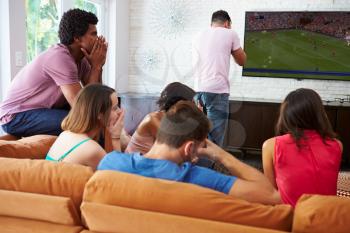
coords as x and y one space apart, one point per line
43 18
87 5
41 26
94 6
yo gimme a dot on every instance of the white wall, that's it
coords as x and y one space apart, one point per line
17 35
171 59
118 50
12 26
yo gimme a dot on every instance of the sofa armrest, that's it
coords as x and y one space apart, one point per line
322 214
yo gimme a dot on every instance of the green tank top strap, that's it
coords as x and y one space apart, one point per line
73 148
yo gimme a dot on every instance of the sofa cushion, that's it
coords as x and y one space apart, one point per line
133 191
44 177
34 147
38 207
322 214
8 137
115 219
20 225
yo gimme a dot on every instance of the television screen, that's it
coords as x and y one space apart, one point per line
302 45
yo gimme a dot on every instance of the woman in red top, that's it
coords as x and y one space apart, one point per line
305 157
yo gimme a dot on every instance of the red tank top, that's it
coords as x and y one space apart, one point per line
312 169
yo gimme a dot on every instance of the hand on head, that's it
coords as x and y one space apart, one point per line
210 150
97 56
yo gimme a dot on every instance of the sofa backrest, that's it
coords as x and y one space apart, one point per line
137 192
44 177
322 214
34 147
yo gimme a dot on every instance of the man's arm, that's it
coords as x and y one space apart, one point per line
70 91
240 56
97 59
251 185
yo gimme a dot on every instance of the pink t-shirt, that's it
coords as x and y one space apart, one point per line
312 170
37 85
212 50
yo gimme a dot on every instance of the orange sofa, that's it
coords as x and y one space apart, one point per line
41 196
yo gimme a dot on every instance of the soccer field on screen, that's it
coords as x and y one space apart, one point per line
296 54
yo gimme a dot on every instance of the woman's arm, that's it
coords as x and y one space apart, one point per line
268 152
115 128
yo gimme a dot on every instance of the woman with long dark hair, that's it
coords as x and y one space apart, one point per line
145 134
305 155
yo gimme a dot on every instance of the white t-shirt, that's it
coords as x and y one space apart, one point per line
212 49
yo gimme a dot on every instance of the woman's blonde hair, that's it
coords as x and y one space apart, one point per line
91 102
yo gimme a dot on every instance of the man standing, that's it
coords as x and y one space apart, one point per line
39 95
214 48
181 139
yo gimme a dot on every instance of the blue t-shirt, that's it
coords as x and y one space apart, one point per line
165 169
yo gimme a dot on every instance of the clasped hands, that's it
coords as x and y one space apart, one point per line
97 56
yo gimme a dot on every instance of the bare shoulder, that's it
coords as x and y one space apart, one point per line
94 146
149 122
156 116
269 143
91 154
340 144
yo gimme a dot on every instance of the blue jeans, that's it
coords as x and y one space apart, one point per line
36 121
216 106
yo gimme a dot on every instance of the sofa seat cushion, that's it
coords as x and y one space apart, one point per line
44 177
322 214
19 225
40 207
34 147
137 192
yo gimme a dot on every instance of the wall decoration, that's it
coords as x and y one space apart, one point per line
152 64
149 59
169 18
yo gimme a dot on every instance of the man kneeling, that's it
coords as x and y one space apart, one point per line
181 140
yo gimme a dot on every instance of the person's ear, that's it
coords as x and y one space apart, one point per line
76 40
227 24
189 148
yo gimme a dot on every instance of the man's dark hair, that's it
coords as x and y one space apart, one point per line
220 16
302 110
75 23
183 122
173 93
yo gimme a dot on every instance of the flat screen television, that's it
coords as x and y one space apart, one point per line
301 45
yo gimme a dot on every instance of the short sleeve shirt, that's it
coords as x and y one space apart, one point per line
163 169
212 50
37 85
